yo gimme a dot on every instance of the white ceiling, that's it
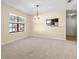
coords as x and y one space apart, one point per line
28 6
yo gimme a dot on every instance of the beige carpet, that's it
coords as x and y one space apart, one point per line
38 48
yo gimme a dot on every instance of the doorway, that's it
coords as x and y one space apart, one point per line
71 25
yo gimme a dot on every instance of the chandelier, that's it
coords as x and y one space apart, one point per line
37 13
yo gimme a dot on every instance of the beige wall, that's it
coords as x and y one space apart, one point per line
40 29
5 35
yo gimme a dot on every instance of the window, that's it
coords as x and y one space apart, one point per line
16 23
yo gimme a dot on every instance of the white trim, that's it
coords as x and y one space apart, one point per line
46 37
38 36
13 41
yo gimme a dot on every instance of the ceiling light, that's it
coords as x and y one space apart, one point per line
69 1
37 13
71 14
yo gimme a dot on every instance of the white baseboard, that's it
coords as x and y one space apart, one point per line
39 36
47 37
13 41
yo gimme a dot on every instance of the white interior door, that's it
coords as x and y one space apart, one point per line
71 26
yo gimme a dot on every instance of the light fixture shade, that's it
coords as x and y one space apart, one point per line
36 17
